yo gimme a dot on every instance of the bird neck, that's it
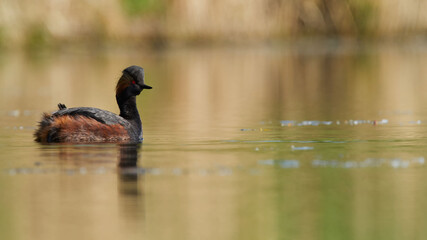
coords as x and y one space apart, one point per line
129 111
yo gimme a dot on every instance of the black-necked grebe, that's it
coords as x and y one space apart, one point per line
85 124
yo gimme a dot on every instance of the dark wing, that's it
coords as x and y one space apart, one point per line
99 115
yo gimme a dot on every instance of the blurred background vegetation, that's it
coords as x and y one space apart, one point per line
161 23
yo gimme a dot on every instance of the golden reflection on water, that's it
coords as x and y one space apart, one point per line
214 86
197 175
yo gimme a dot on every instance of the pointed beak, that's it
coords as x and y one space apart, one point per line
146 87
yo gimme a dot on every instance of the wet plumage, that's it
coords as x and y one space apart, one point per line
85 124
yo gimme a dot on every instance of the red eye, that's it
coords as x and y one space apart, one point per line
133 82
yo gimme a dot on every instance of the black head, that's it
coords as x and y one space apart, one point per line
137 73
131 83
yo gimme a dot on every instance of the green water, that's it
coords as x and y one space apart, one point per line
265 143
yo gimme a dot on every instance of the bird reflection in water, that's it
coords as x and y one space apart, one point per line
98 159
121 159
129 187
128 156
128 170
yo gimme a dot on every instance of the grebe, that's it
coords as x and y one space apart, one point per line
85 124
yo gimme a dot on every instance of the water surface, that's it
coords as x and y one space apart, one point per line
265 143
